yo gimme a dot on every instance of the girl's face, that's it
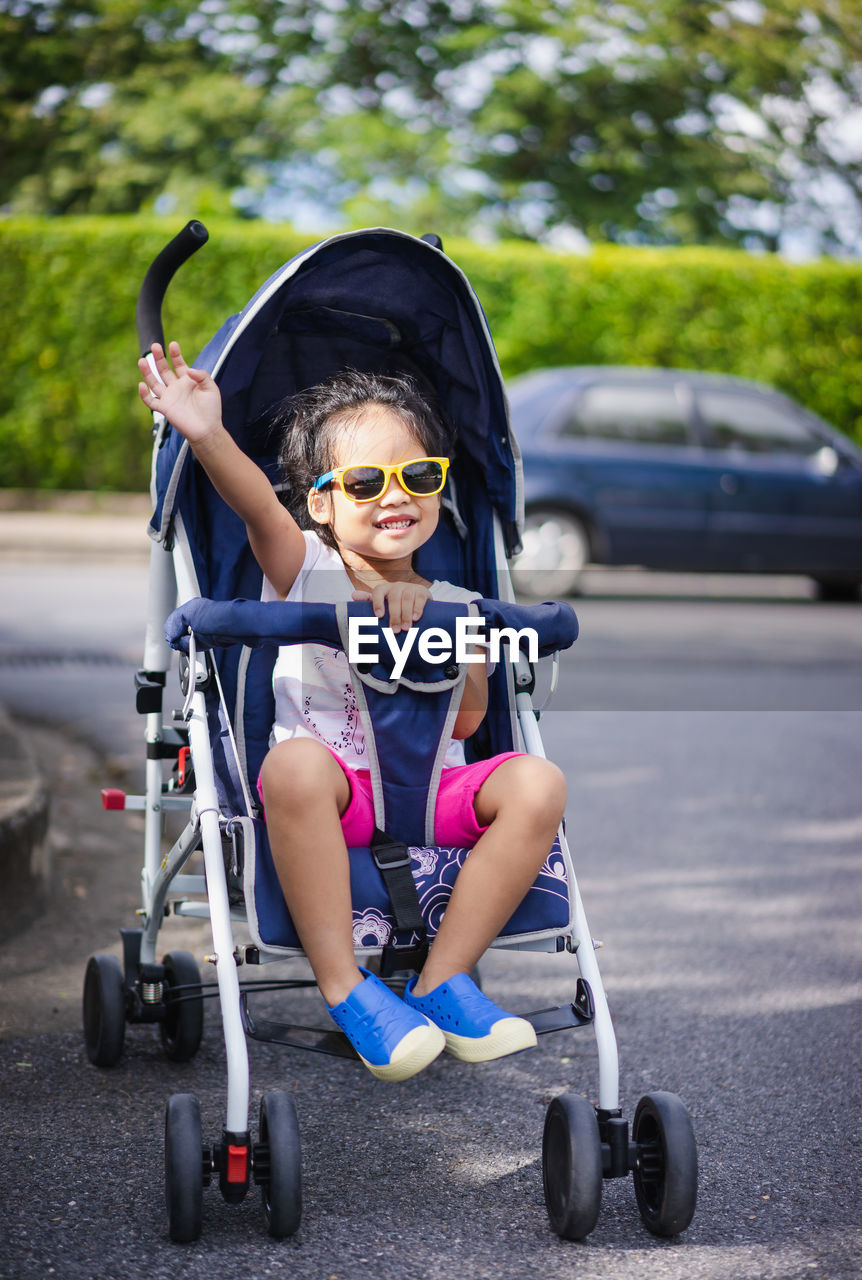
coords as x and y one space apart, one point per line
393 526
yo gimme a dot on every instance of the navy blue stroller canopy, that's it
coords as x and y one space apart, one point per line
379 301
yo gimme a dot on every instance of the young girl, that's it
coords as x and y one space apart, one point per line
366 456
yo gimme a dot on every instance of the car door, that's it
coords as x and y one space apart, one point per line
783 498
629 446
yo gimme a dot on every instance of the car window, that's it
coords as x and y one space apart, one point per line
645 414
753 424
531 404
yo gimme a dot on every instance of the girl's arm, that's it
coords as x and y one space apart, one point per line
191 402
474 701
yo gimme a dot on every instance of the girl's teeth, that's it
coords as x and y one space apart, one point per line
395 524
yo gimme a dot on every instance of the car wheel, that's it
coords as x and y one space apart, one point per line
556 547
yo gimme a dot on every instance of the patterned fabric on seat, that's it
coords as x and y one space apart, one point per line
544 912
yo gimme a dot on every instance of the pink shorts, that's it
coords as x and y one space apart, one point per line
455 823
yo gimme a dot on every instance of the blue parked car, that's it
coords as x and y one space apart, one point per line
676 470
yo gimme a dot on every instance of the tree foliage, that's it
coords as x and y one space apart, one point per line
668 121
108 104
673 121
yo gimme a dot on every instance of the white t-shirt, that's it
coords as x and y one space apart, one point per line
314 695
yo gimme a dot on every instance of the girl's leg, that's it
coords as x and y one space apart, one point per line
522 804
305 792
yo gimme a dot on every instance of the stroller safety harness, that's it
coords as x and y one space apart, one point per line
383 301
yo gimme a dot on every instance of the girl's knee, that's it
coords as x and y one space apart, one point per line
528 786
299 767
543 785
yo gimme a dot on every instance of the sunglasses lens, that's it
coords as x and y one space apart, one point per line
363 483
423 476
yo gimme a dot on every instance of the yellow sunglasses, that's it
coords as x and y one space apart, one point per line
420 477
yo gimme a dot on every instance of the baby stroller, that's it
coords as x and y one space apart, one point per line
373 300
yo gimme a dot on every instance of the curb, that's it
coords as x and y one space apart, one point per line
73 526
34 526
25 860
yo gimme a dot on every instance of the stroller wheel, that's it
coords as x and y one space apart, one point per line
572 1166
184 1160
183 1024
104 1010
277 1164
665 1175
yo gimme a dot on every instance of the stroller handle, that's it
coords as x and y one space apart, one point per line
148 312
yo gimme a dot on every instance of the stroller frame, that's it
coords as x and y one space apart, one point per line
582 1144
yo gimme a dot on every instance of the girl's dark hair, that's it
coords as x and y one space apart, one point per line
313 422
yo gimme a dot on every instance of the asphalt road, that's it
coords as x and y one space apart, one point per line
712 745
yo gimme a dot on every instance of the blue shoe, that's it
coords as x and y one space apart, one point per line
476 1030
392 1040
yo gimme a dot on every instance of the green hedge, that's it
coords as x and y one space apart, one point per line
69 413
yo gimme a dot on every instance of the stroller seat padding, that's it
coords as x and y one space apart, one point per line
544 911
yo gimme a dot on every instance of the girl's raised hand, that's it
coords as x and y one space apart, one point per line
188 398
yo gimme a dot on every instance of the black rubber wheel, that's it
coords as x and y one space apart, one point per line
280 1157
572 1166
665 1175
183 1167
183 1026
104 1010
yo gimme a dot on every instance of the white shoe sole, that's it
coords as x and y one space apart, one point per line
509 1035
411 1054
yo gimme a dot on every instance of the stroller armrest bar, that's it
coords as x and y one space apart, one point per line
220 623
217 623
554 622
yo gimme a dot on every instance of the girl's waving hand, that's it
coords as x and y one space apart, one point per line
191 402
188 398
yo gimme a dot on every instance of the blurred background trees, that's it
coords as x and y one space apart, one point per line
670 122
709 124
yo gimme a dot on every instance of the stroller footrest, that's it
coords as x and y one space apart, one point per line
294 1036
580 1013
333 1043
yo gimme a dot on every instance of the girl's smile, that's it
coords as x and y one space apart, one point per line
393 524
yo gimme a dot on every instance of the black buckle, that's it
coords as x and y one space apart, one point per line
400 959
390 854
